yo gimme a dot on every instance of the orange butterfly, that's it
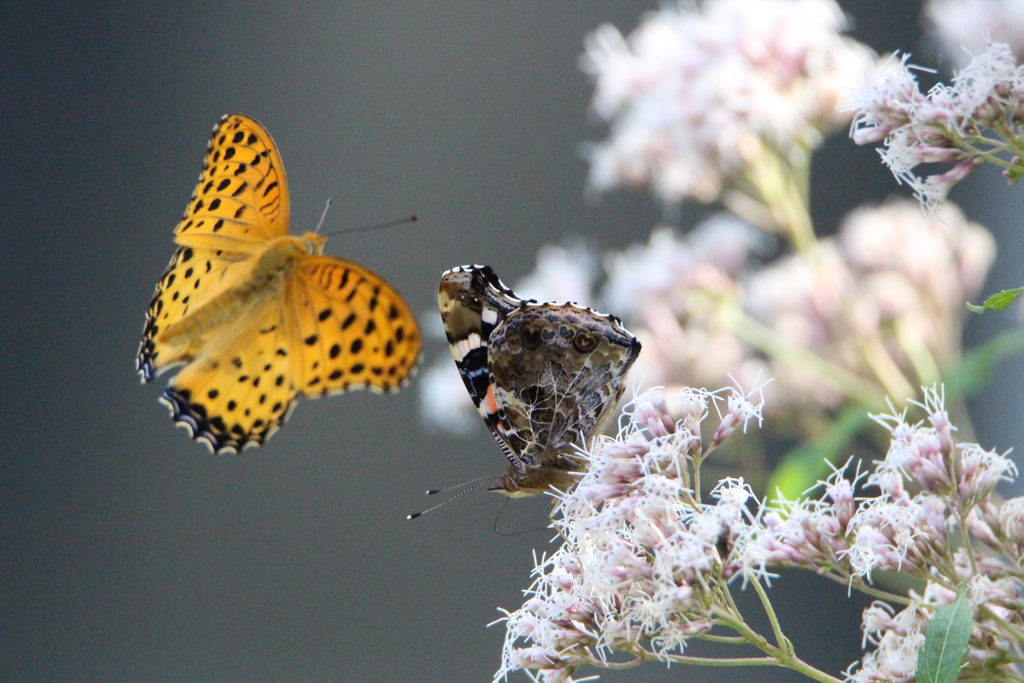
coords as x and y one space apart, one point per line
258 316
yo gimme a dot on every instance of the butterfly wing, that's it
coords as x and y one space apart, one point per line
556 374
240 387
544 377
240 203
352 329
473 301
336 326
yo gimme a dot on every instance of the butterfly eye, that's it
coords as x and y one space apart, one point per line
584 342
531 337
470 301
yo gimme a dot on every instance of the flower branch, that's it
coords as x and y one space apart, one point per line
644 566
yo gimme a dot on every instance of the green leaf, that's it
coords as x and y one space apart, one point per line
945 643
998 302
978 364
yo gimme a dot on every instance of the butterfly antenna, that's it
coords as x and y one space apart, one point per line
513 533
477 484
378 226
434 492
323 216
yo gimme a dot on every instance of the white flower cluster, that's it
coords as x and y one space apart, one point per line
694 93
886 293
897 637
641 557
679 296
945 126
848 539
645 565
893 531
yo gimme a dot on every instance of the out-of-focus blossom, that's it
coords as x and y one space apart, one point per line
678 296
444 402
946 260
694 93
722 246
965 27
884 300
881 301
975 120
562 274
887 292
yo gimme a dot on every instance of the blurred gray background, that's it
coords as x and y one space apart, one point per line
127 553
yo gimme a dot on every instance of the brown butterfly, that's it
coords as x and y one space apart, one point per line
545 377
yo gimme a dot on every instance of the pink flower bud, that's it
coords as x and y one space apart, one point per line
599 493
563 675
538 658
840 491
653 413
981 471
943 429
1011 520
725 428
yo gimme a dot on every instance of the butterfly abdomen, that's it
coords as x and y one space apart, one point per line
264 283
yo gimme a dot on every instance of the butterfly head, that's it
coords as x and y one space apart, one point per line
314 243
281 253
553 472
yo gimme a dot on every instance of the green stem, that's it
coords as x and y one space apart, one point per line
966 537
859 585
920 356
799 665
989 155
732 640
780 185
765 339
886 369
784 656
971 145
772 618
1009 137
696 478
727 595
712 661
1008 142
1006 626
